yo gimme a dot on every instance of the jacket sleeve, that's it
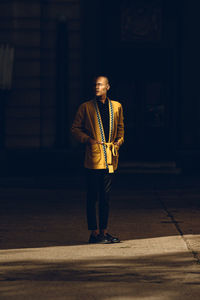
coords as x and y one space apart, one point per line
120 126
78 128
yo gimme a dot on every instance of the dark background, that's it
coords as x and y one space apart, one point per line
148 49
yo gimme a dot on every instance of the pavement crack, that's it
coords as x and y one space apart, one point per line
176 224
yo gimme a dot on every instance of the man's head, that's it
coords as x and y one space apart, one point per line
101 86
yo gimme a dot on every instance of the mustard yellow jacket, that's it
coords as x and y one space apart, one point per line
86 125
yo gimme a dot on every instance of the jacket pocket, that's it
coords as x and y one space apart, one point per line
94 154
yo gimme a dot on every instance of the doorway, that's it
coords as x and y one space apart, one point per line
142 67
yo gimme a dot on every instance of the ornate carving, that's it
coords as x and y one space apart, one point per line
141 20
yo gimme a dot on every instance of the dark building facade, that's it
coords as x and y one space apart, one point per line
148 49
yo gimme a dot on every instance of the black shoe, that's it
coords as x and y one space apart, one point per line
112 238
103 239
93 239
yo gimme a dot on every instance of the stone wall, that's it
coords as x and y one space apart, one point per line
31 27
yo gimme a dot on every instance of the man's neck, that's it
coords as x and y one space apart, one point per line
102 99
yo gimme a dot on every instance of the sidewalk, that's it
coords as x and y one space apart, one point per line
44 252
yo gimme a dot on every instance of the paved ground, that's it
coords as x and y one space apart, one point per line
43 234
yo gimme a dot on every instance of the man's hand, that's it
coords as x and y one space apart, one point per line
93 142
117 144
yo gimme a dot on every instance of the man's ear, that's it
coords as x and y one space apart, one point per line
108 87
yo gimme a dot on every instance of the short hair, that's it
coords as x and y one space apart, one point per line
104 76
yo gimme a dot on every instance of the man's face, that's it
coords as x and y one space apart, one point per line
101 86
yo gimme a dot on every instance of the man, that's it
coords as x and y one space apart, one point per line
99 124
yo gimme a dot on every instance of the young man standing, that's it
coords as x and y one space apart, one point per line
99 123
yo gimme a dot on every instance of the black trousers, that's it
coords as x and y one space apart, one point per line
98 189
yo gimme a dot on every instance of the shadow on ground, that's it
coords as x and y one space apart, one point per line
146 277
55 215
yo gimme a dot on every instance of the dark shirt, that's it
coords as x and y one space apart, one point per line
104 112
